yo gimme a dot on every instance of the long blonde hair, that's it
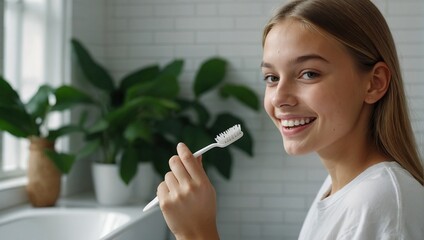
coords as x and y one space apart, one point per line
362 29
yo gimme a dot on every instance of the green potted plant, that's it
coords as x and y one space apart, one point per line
197 126
29 120
125 112
142 117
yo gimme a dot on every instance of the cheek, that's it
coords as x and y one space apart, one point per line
269 108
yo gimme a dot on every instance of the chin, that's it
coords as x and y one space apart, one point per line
295 150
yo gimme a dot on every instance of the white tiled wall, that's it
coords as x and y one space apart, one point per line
268 195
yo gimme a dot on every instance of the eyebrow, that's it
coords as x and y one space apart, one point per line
298 60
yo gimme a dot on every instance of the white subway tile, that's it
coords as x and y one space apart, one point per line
204 23
131 11
283 203
405 8
237 9
239 202
261 216
283 174
195 50
143 24
244 50
172 37
206 9
183 10
259 188
151 51
405 22
295 217
250 230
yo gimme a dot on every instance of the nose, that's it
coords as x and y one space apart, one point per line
284 94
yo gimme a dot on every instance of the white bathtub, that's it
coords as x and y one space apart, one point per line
82 223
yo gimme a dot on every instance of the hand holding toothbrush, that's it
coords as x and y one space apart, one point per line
187 198
222 140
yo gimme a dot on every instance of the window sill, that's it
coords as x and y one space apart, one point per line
12 192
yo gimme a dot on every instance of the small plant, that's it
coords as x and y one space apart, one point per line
26 120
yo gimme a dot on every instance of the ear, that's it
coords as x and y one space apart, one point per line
378 83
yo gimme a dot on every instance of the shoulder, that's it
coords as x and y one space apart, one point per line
388 195
386 185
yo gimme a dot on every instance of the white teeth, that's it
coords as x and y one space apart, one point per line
297 122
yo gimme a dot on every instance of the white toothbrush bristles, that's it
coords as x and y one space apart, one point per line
229 135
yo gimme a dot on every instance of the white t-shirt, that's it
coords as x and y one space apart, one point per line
384 202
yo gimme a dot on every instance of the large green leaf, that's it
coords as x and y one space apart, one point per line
99 126
149 107
140 76
94 72
12 128
68 96
89 148
203 114
128 165
225 121
38 106
242 93
138 129
170 128
145 150
14 118
174 68
9 97
196 137
17 121
64 130
162 150
221 159
62 161
199 109
164 86
210 74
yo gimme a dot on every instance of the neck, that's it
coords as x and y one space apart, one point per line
344 168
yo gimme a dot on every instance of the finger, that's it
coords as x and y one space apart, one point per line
162 190
179 170
190 163
162 193
171 182
200 160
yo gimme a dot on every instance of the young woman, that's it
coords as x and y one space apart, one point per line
333 87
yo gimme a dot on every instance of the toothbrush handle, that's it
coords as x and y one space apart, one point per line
155 201
151 204
205 149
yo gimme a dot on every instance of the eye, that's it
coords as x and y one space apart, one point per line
271 79
309 75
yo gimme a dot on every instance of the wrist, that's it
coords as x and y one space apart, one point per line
212 234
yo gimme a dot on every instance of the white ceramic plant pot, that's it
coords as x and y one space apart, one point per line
109 188
145 182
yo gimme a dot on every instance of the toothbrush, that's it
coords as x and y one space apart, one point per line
222 140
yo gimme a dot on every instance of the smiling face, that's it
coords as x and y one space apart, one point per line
315 93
